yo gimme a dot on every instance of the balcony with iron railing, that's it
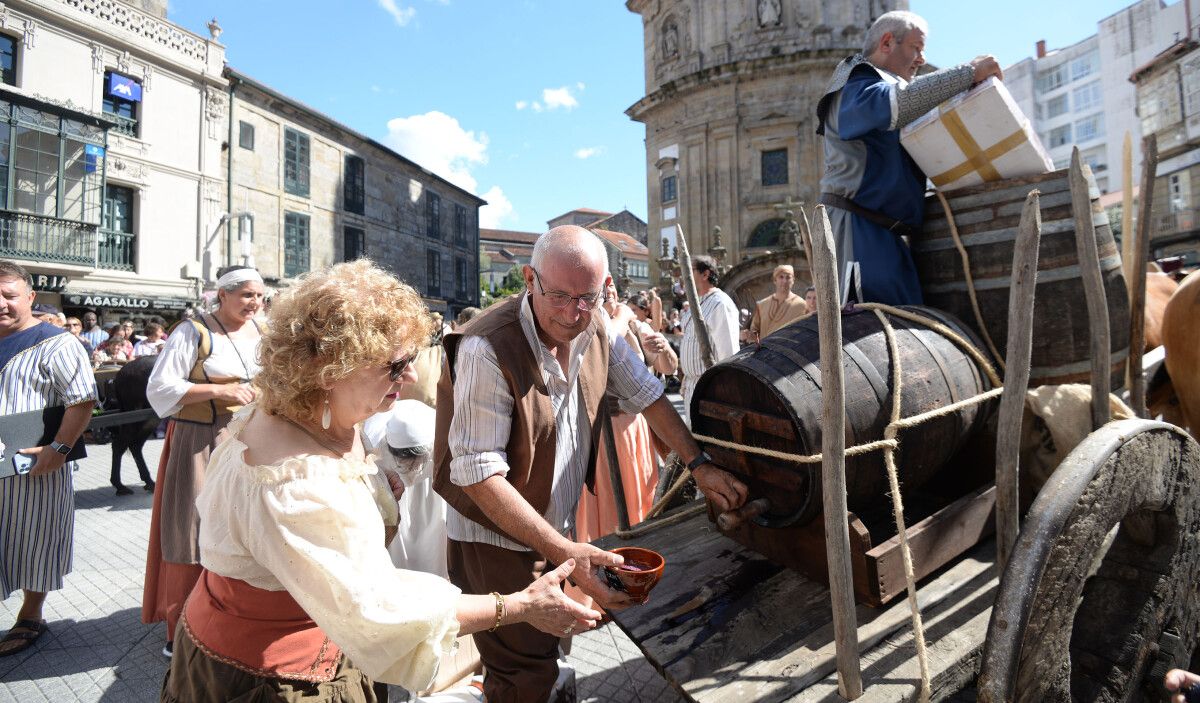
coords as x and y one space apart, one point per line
1170 224
124 125
39 238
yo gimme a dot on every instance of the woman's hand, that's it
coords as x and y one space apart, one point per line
240 393
1179 683
544 605
394 483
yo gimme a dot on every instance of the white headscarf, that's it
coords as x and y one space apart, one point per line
238 276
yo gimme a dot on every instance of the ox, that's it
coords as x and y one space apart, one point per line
130 388
1181 337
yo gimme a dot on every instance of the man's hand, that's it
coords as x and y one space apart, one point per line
588 561
985 67
720 487
394 483
48 460
654 342
1178 682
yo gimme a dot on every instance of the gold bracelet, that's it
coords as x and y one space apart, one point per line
500 611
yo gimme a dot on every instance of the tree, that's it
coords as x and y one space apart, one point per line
513 282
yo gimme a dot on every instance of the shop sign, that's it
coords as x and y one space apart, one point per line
129 302
49 283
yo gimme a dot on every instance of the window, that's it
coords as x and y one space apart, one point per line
1052 78
1189 78
1095 159
1178 191
460 224
460 279
1089 128
1159 105
122 97
1059 136
1085 65
433 272
295 244
766 234
354 191
8 59
295 163
1057 106
775 167
354 243
118 209
54 164
433 215
1087 97
670 189
246 135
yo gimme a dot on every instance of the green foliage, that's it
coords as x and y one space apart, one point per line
513 283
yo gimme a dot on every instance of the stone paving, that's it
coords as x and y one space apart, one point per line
97 648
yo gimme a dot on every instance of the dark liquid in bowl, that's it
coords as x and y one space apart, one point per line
635 566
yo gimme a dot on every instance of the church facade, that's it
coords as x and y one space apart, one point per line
729 110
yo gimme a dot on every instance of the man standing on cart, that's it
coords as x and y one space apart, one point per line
872 187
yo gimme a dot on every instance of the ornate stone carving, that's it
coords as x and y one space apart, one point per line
125 169
216 106
770 13
30 34
670 39
214 30
124 17
123 62
97 58
3 15
147 73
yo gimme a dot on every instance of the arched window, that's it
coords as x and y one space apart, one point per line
766 234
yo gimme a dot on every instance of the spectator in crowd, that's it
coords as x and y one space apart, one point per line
92 331
116 332
153 342
62 320
41 366
465 316
720 315
130 332
110 353
780 308
44 312
75 327
810 300
201 377
295 574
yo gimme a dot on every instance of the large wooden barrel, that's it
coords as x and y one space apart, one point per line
987 216
769 396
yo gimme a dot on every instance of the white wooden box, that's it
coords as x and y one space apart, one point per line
978 136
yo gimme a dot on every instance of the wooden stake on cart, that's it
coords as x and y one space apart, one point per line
1016 377
1137 283
1093 288
689 289
833 449
1127 231
614 471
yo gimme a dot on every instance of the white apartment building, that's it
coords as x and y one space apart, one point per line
111 128
1081 95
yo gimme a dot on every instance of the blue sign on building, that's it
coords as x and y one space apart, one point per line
93 156
124 87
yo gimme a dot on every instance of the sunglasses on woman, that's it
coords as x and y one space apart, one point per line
397 368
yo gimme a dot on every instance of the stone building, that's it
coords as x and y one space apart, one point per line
1168 96
623 221
316 192
628 259
731 94
112 121
501 250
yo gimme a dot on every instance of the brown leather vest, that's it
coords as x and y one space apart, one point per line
206 412
531 443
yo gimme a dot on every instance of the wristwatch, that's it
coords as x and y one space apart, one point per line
701 459
61 448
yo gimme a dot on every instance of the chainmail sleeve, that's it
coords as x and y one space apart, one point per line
928 91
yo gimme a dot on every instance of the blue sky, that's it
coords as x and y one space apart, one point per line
523 101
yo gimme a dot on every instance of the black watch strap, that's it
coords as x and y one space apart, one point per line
61 448
701 459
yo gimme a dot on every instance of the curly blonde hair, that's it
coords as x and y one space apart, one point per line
332 323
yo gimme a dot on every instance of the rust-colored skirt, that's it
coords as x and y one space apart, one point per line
195 677
596 515
173 557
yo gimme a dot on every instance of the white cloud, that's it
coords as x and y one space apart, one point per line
438 142
521 104
559 97
497 211
580 86
402 14
537 106
588 152
376 89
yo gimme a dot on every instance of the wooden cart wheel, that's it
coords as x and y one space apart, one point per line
1103 586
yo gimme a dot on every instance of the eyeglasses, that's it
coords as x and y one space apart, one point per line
558 299
397 368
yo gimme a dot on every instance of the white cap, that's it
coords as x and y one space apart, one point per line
411 425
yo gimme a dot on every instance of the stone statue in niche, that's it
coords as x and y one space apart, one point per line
769 13
670 39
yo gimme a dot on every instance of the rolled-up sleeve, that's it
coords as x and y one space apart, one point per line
71 373
322 538
629 381
482 415
168 380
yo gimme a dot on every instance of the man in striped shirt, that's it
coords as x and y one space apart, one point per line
519 420
40 366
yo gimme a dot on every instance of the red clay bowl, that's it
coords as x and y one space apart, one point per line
639 574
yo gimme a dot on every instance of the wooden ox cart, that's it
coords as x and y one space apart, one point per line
1093 602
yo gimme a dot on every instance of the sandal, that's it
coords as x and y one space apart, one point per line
31 631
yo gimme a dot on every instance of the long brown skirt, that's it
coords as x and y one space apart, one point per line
173 556
195 677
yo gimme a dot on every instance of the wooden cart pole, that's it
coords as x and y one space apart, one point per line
614 471
833 465
689 289
1016 376
1137 282
1127 232
1093 288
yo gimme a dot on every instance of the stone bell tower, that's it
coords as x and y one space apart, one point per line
731 94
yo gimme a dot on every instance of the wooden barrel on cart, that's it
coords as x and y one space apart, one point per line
987 217
768 395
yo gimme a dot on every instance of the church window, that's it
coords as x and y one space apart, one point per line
775 167
766 234
670 189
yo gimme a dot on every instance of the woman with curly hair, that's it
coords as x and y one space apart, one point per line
298 599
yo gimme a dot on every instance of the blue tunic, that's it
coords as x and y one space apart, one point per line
865 162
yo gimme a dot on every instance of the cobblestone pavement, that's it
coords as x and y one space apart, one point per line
97 648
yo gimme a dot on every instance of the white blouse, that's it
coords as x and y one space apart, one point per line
230 358
309 525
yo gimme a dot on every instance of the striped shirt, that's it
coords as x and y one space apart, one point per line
482 420
37 513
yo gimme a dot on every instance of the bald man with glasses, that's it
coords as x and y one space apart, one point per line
519 414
